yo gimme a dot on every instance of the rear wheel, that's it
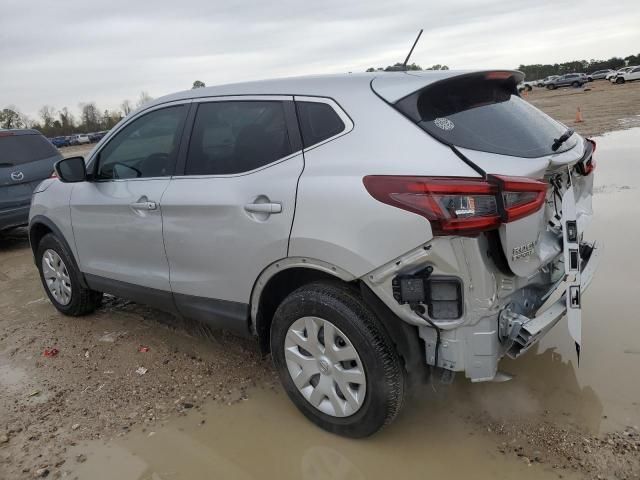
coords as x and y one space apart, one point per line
336 361
61 279
575 84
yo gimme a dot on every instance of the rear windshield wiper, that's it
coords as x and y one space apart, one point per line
557 142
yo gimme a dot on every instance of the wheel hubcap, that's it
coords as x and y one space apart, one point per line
325 366
56 277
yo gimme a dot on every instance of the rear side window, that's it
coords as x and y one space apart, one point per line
237 136
318 121
20 149
486 115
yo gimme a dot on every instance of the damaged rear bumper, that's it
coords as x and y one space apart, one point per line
519 333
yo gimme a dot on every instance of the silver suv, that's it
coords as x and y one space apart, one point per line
367 229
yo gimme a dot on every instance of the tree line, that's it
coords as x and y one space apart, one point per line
399 67
538 71
52 122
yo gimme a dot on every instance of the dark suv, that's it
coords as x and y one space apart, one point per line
26 158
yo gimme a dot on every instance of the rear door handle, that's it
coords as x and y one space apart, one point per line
263 207
146 205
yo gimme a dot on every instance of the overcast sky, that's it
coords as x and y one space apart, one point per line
62 53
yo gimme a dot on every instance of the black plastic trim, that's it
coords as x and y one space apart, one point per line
160 299
218 314
40 219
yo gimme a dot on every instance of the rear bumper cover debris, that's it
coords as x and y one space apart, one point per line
524 332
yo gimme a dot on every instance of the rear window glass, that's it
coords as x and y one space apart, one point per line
318 121
485 115
19 149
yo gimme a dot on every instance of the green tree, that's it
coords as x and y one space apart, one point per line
67 122
10 117
198 84
633 59
89 117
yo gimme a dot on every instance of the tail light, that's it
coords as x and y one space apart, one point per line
460 205
590 165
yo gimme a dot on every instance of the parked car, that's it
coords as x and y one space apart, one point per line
628 76
542 83
599 74
60 141
26 158
80 139
96 136
451 237
611 76
525 86
569 79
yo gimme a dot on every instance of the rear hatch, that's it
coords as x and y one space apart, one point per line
26 158
481 116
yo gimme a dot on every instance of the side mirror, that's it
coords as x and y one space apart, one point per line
71 170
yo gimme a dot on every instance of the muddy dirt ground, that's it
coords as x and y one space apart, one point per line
604 106
134 394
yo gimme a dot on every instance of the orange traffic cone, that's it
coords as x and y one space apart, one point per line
578 116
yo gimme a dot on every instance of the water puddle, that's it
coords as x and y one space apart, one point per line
265 437
629 122
436 436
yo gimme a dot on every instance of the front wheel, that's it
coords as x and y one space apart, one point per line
619 80
61 279
336 361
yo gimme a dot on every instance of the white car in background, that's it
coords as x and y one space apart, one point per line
631 74
80 139
612 76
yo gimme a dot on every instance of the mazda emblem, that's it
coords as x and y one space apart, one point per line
17 176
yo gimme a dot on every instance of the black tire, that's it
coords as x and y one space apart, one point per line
551 87
83 300
620 80
385 376
575 84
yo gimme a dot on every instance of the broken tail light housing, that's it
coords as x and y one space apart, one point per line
460 205
588 166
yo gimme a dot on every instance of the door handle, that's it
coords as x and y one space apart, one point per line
263 207
146 205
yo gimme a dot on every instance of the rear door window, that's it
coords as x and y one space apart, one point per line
486 115
318 122
20 149
232 137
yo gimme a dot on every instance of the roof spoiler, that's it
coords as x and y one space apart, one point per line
509 79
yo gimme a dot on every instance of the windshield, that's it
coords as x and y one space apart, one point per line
19 149
486 115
